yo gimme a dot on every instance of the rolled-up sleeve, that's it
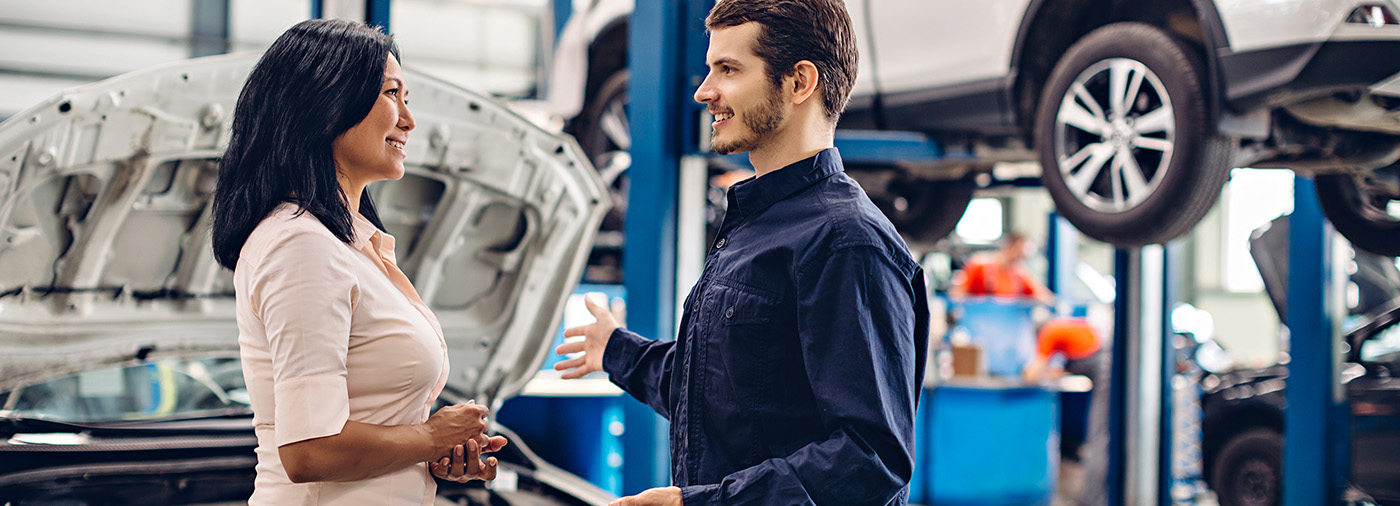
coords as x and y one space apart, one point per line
304 291
859 325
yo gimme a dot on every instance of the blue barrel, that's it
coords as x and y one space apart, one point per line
991 446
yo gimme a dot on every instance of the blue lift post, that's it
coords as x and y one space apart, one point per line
649 256
376 12
1315 429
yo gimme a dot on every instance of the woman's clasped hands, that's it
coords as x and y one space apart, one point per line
460 430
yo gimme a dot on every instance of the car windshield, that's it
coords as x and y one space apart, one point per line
159 389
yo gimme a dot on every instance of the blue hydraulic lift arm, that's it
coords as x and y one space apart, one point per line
1315 424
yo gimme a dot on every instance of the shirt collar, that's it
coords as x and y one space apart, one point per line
368 237
753 195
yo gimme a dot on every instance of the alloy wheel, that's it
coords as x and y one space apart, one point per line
1116 116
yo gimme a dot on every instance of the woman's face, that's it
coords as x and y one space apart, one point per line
373 149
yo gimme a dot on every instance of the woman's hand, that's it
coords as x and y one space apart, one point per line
466 464
455 425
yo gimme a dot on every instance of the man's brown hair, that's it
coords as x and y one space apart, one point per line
790 31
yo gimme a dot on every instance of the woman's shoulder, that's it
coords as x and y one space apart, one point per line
287 222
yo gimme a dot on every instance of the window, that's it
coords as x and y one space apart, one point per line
1252 198
982 223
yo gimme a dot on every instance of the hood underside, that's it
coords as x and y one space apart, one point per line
105 212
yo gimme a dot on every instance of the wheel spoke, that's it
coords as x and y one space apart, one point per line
1079 181
1159 120
1152 143
1083 95
1068 164
1134 181
1073 115
1134 86
1118 72
1115 177
615 127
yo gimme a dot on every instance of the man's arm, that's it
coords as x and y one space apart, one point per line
863 323
640 366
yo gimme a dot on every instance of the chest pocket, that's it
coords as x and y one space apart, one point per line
741 306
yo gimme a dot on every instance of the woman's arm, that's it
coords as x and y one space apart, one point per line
362 451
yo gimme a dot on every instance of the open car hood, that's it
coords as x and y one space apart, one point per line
105 212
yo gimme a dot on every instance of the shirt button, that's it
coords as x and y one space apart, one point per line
729 313
697 306
720 244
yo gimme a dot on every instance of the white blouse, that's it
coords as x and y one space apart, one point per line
330 332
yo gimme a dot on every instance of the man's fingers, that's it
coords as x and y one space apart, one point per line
576 331
570 347
564 365
497 443
574 374
598 311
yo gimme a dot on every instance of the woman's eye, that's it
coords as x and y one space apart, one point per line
393 91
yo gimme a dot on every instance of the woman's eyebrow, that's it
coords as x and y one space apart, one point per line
396 81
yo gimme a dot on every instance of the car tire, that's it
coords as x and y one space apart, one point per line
606 139
1356 205
1248 471
925 211
1152 167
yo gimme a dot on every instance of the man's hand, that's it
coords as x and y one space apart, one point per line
595 341
665 496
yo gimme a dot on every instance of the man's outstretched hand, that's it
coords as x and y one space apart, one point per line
595 340
664 496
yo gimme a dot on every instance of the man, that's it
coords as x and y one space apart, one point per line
1002 274
796 372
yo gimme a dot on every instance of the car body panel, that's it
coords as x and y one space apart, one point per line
940 52
104 219
1252 25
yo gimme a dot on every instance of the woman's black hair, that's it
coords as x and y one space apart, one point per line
317 80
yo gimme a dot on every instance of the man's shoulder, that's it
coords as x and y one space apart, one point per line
852 222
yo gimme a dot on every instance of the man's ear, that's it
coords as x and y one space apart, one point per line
801 83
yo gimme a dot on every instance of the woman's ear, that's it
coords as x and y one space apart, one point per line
801 83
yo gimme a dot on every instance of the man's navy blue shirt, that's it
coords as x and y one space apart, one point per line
797 369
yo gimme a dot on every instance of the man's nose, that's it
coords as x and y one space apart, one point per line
705 93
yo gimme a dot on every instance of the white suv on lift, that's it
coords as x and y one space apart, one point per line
1135 109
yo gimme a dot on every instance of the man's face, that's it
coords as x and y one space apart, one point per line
747 106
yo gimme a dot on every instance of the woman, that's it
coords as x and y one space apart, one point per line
342 359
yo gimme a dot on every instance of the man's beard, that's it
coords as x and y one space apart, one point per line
761 122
